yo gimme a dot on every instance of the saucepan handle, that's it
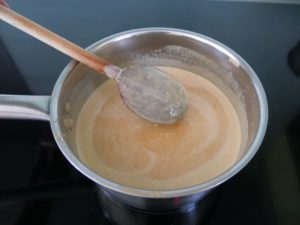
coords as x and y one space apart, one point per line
24 107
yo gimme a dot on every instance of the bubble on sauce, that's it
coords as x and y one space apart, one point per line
68 107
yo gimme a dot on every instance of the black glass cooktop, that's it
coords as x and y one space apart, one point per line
39 186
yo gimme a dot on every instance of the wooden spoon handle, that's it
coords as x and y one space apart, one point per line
52 39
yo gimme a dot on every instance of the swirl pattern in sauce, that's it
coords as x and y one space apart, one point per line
123 148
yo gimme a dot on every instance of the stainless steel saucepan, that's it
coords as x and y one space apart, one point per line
157 47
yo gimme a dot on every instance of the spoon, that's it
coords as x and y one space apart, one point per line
147 91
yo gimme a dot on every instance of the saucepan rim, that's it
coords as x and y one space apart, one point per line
234 57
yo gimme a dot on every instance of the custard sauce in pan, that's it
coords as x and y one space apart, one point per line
123 148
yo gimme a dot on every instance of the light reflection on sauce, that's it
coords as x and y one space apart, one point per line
121 147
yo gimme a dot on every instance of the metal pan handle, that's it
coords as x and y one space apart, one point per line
24 107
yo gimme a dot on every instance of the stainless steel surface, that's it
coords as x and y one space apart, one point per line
154 204
24 107
131 48
161 47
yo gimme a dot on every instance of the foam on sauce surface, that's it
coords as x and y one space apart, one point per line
123 148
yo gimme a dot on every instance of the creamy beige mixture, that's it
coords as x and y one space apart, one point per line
121 147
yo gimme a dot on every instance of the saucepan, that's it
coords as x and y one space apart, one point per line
156 47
